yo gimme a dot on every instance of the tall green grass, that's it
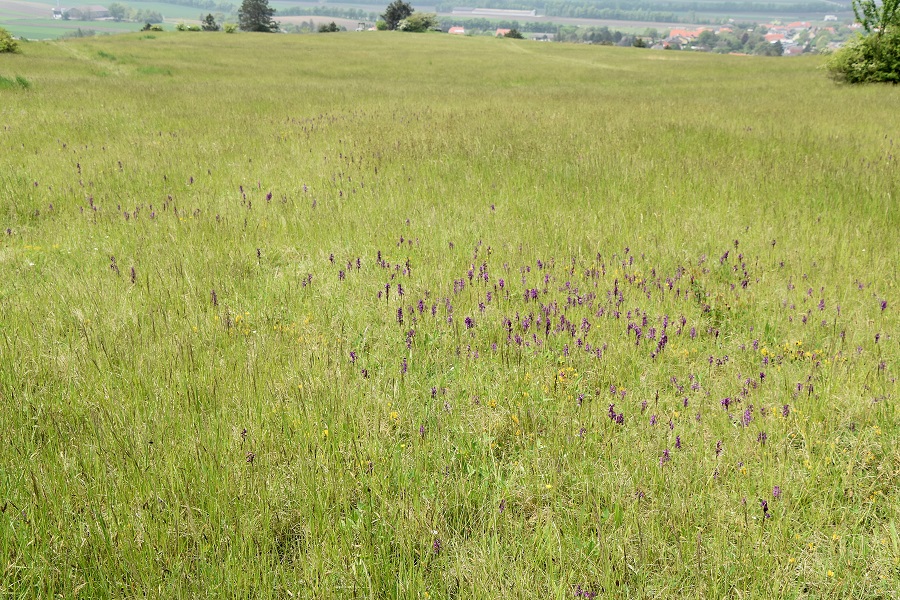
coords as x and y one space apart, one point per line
204 395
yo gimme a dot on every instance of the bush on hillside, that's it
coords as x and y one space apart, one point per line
419 22
871 59
874 58
7 42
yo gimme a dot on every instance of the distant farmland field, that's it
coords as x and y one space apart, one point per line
34 20
389 315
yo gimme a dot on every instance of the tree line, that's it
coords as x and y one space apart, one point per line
329 11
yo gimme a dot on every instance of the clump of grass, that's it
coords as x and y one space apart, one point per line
150 70
17 82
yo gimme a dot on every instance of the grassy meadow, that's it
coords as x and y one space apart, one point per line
398 316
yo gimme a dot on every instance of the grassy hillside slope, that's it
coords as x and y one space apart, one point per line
398 316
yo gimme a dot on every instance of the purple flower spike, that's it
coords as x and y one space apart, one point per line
748 416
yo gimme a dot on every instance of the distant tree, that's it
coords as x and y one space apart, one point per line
821 43
514 34
119 12
767 49
419 22
707 38
329 27
7 42
256 15
639 43
395 12
209 23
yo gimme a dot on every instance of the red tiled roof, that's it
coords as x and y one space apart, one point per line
685 33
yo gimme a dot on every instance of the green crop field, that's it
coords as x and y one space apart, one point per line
387 315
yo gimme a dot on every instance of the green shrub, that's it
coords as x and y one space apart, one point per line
418 22
181 27
871 59
230 28
7 42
